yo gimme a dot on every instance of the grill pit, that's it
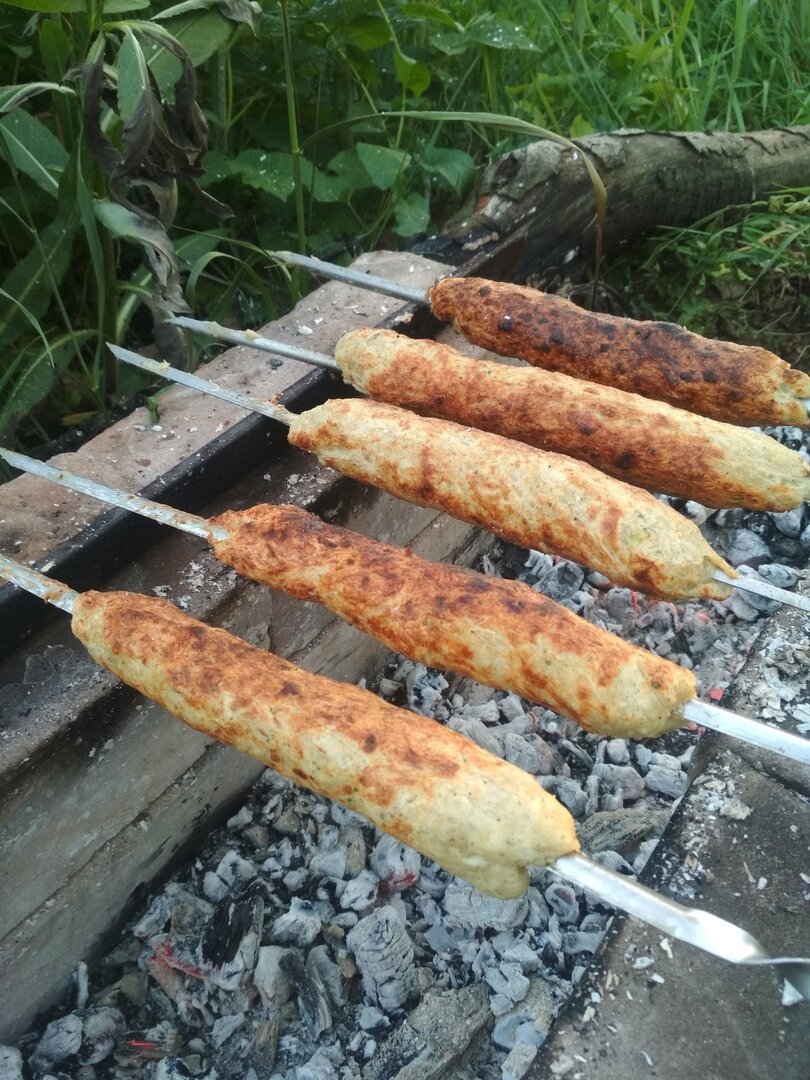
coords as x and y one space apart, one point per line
300 943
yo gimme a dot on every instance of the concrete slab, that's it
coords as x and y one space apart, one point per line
708 1018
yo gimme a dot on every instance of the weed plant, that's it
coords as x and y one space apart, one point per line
111 213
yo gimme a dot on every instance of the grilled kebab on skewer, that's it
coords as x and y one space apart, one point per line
740 384
647 443
501 633
479 816
531 497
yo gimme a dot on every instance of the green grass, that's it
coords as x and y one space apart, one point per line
300 154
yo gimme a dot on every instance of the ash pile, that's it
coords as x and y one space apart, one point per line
304 944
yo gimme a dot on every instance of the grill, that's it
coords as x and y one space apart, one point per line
222 475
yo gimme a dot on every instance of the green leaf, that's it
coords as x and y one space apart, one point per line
382 163
497 33
455 167
429 13
200 33
366 32
266 170
133 76
12 96
238 11
116 7
412 215
33 149
31 379
31 282
411 74
49 5
217 167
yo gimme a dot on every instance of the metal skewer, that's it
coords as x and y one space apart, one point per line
351 277
746 583
693 926
784 743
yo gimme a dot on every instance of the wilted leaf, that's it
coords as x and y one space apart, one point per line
158 248
12 96
412 215
33 149
382 163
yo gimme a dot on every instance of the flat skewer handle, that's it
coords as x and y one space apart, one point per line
252 340
48 589
755 732
205 386
167 515
351 277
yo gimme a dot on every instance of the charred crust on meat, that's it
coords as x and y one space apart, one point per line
370 742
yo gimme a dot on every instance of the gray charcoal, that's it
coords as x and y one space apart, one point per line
582 756
384 956
612 860
313 997
508 979
330 859
591 795
784 577
225 1026
579 941
617 751
361 892
370 1018
789 523
440 939
488 712
666 781
504 1033
643 755
98 1035
396 864
231 875
523 753
618 605
666 761
10 1063
156 917
645 850
700 633
298 926
319 960
746 548
475 729
620 778
270 976
467 907
319 1067
354 844
614 830
519 725
240 819
805 537
511 707
567 791
563 901
696 511
518 1061
561 581
60 1039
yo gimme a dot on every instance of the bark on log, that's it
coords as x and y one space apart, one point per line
542 199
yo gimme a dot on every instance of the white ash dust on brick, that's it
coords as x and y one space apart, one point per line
303 944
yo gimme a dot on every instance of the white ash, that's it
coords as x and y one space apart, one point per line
302 944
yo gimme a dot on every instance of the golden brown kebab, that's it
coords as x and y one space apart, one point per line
636 439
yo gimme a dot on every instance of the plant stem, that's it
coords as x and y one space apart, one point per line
295 149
